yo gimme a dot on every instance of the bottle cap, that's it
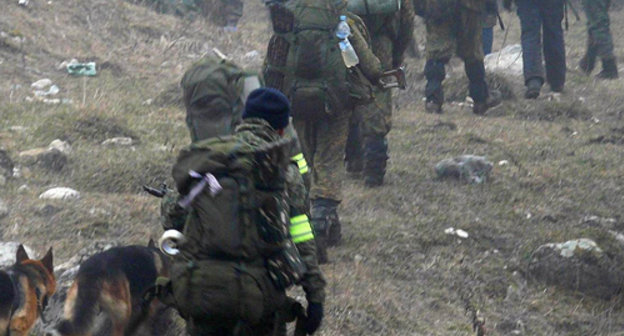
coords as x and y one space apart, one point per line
343 18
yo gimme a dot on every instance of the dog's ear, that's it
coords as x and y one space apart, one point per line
21 254
151 243
48 261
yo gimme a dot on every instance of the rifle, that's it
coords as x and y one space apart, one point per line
157 192
387 82
568 4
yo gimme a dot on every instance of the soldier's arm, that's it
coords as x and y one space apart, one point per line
405 33
369 63
312 282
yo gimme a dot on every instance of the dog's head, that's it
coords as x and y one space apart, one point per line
40 274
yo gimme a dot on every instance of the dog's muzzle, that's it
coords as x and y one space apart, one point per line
170 241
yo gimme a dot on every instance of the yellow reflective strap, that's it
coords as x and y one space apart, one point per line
301 163
300 229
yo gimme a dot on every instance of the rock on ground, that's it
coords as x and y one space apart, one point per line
579 265
61 193
507 61
48 158
469 168
7 253
119 141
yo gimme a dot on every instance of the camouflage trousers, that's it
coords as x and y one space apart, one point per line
460 35
598 31
323 139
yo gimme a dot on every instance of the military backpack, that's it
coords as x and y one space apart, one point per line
303 58
214 92
374 7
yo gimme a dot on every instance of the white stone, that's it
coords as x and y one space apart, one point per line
7 253
18 129
61 193
449 231
60 145
461 234
568 248
23 3
503 163
508 60
41 84
23 188
119 141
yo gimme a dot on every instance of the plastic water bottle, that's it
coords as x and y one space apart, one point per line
349 56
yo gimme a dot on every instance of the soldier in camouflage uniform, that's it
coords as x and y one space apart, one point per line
599 40
320 116
455 26
174 217
390 36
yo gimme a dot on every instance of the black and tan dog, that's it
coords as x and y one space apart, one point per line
114 282
24 291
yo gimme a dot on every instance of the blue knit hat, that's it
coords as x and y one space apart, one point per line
268 104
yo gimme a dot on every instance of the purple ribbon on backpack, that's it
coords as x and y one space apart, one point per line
206 180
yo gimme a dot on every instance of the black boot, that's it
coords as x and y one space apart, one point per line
375 157
478 89
435 73
354 152
326 225
609 69
534 86
588 62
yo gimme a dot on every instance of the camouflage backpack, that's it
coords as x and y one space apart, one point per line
374 7
214 90
234 188
303 59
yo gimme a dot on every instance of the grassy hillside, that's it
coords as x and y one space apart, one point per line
397 273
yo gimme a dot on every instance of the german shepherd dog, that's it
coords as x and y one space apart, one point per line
113 281
24 291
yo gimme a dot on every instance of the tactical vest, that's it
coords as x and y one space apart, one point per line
303 58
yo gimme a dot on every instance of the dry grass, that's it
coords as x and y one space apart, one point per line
397 273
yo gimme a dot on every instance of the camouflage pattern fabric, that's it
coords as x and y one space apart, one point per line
598 31
312 282
323 141
460 35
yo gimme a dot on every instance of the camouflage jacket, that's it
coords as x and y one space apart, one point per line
399 27
370 65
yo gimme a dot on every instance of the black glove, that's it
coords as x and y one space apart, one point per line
315 316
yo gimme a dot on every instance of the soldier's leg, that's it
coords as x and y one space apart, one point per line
376 123
377 120
531 28
598 25
554 47
354 149
439 49
331 137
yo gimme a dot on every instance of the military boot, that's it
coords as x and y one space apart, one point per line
375 157
534 86
609 69
494 99
435 73
326 226
588 62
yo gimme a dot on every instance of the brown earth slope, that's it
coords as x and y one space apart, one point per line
397 272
